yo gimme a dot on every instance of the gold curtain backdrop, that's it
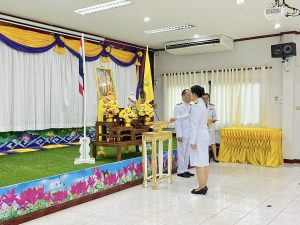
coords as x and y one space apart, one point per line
90 48
27 37
258 146
34 39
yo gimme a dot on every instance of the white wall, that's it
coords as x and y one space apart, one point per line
291 101
247 54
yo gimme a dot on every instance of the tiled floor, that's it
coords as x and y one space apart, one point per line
238 194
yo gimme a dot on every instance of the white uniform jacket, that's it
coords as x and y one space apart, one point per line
198 122
211 115
182 128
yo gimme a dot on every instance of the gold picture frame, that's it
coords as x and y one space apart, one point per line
105 83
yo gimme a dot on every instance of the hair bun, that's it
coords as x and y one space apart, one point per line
198 90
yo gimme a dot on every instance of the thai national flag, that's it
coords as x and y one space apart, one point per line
81 73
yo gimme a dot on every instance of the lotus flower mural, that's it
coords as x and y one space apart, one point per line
32 196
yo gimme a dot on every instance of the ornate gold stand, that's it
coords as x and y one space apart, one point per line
155 137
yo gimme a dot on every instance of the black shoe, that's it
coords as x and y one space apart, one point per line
183 175
202 191
215 160
197 188
190 174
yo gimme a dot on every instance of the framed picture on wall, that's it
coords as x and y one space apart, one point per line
105 82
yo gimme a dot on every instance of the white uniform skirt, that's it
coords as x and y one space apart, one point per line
199 157
212 137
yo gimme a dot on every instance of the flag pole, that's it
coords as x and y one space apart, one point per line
85 87
84 149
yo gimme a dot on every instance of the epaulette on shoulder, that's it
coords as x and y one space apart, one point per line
179 103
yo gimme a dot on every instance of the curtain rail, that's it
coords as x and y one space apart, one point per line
219 70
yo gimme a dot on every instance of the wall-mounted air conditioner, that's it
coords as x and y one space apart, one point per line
200 45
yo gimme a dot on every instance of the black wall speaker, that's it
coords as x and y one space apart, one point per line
283 50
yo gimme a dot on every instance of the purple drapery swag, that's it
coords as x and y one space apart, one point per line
141 77
23 48
60 43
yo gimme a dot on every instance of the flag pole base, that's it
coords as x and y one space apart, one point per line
84 151
81 161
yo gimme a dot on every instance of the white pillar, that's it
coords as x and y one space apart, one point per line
289 117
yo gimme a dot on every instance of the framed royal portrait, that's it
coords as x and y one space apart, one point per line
105 82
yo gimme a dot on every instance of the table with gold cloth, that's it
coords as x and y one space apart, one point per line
258 146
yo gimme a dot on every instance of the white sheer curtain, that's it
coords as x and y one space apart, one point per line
40 91
241 97
174 83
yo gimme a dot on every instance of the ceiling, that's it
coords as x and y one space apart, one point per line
126 23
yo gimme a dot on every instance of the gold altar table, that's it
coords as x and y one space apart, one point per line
258 146
155 137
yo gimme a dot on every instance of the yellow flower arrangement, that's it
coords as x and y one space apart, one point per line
128 113
146 109
110 107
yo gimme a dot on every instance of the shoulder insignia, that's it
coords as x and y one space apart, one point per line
179 103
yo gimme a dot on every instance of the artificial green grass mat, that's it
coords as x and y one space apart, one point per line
29 166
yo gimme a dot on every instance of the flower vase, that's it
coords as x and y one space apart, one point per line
147 120
128 122
109 118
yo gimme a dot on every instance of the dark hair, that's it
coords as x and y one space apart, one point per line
198 90
207 95
184 92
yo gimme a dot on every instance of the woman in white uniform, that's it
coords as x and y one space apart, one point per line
199 138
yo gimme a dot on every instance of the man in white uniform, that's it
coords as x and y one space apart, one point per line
182 129
211 124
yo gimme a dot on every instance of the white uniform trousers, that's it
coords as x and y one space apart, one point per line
183 155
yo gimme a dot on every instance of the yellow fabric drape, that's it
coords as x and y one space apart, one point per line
121 55
59 50
27 37
36 40
148 87
90 48
105 59
258 146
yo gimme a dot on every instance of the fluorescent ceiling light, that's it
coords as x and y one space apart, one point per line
240 2
168 29
146 19
276 25
101 7
196 36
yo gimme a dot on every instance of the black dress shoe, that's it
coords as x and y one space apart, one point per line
197 188
215 160
183 175
202 191
190 174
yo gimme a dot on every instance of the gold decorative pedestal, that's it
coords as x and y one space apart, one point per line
153 137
